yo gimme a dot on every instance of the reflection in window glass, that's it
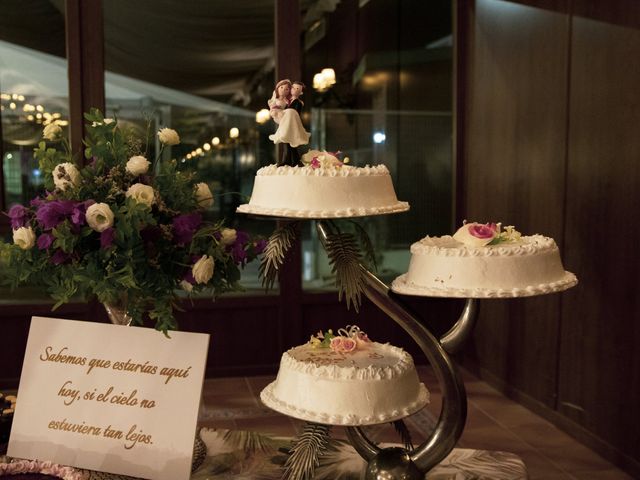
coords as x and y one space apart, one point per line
188 71
416 147
33 91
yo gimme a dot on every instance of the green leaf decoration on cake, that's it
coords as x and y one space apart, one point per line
275 252
306 452
405 434
345 261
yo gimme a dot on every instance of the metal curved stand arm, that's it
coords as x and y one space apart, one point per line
454 402
458 335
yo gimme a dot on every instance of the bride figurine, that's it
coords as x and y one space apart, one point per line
285 107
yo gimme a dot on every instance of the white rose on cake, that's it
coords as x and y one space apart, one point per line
204 197
65 175
168 136
138 165
99 217
202 270
24 237
141 193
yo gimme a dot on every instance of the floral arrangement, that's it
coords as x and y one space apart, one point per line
481 234
347 340
17 467
322 159
121 223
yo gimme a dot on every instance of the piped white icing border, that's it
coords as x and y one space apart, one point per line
342 213
271 401
447 246
400 285
307 171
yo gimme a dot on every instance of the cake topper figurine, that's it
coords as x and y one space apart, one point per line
285 107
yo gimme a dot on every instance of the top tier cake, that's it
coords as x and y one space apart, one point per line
323 188
482 261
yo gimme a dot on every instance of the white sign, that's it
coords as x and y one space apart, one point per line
110 398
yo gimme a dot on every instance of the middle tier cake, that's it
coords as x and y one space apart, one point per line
348 381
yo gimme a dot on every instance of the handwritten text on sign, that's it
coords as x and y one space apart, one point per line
110 398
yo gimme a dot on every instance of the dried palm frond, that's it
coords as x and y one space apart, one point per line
278 244
306 452
367 245
405 434
344 258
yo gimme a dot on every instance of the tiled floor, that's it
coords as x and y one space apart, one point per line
493 423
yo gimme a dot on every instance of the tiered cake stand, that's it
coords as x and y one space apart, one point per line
399 463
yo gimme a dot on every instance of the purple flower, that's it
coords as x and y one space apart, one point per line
106 238
238 254
18 215
50 214
260 246
188 277
184 226
241 237
45 241
59 257
79 211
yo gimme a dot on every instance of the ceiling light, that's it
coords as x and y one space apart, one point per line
215 141
206 147
234 133
379 137
12 106
262 116
322 81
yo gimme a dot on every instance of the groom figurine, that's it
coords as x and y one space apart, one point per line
290 155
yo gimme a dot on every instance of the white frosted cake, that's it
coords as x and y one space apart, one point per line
498 264
323 191
373 383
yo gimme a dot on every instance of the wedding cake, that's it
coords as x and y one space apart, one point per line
484 261
324 187
346 380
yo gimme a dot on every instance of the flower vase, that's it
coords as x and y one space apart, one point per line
117 312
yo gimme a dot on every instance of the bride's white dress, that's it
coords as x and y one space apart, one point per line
290 129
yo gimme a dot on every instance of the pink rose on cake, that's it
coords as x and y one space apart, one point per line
343 344
323 159
477 234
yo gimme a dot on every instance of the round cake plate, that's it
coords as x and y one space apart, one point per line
313 215
270 400
401 286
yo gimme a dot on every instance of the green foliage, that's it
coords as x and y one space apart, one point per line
143 254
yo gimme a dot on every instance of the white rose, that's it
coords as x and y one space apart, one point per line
168 136
186 286
204 197
65 175
52 132
202 270
477 234
142 193
24 237
228 236
138 165
107 121
99 217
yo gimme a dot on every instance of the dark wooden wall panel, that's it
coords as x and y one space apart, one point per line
514 164
599 357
